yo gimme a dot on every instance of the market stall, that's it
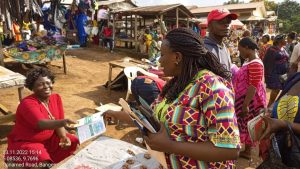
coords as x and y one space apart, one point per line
40 56
138 17
35 29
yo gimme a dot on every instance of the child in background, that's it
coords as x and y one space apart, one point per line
147 39
154 50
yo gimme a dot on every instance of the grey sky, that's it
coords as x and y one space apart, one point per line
187 2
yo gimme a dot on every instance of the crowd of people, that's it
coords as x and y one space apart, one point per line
203 101
198 95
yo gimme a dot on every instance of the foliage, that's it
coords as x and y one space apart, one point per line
289 15
270 5
232 2
287 12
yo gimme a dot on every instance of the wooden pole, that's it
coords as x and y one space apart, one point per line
177 18
114 27
131 30
126 30
161 26
135 33
1 54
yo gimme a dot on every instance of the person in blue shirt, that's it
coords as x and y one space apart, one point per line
81 21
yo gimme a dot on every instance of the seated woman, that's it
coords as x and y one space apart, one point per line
199 127
39 138
286 110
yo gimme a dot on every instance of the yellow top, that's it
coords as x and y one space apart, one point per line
270 42
26 25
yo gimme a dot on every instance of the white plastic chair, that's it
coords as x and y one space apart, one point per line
131 73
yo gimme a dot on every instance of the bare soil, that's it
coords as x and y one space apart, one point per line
82 91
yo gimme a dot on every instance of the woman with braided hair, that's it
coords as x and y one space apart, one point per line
199 127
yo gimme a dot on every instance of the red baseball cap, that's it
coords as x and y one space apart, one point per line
219 14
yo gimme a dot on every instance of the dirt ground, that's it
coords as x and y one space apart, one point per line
82 90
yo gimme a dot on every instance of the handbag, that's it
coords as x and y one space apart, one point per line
289 146
284 151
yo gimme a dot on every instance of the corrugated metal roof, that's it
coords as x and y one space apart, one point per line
252 5
251 18
272 18
156 10
271 13
109 2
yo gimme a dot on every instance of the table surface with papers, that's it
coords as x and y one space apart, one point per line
9 79
109 153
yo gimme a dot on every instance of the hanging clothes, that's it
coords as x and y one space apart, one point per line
17 32
80 23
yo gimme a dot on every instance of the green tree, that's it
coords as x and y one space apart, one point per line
288 9
288 14
232 2
270 5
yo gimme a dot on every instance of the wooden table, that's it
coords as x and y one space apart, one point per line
122 64
40 56
9 79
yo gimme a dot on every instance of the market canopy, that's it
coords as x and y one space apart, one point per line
151 11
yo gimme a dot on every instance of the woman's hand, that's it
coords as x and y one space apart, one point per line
67 123
272 126
65 142
159 141
245 111
111 115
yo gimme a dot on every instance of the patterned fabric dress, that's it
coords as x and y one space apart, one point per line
204 111
287 106
250 73
263 50
276 64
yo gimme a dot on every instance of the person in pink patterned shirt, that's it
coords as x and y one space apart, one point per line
250 92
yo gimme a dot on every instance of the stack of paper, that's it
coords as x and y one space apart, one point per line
143 117
90 126
256 128
109 106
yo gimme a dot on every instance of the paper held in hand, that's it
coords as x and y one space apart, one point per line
143 117
90 126
256 127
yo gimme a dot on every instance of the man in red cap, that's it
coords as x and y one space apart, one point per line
218 21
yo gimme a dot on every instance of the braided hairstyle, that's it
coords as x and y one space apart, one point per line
195 57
